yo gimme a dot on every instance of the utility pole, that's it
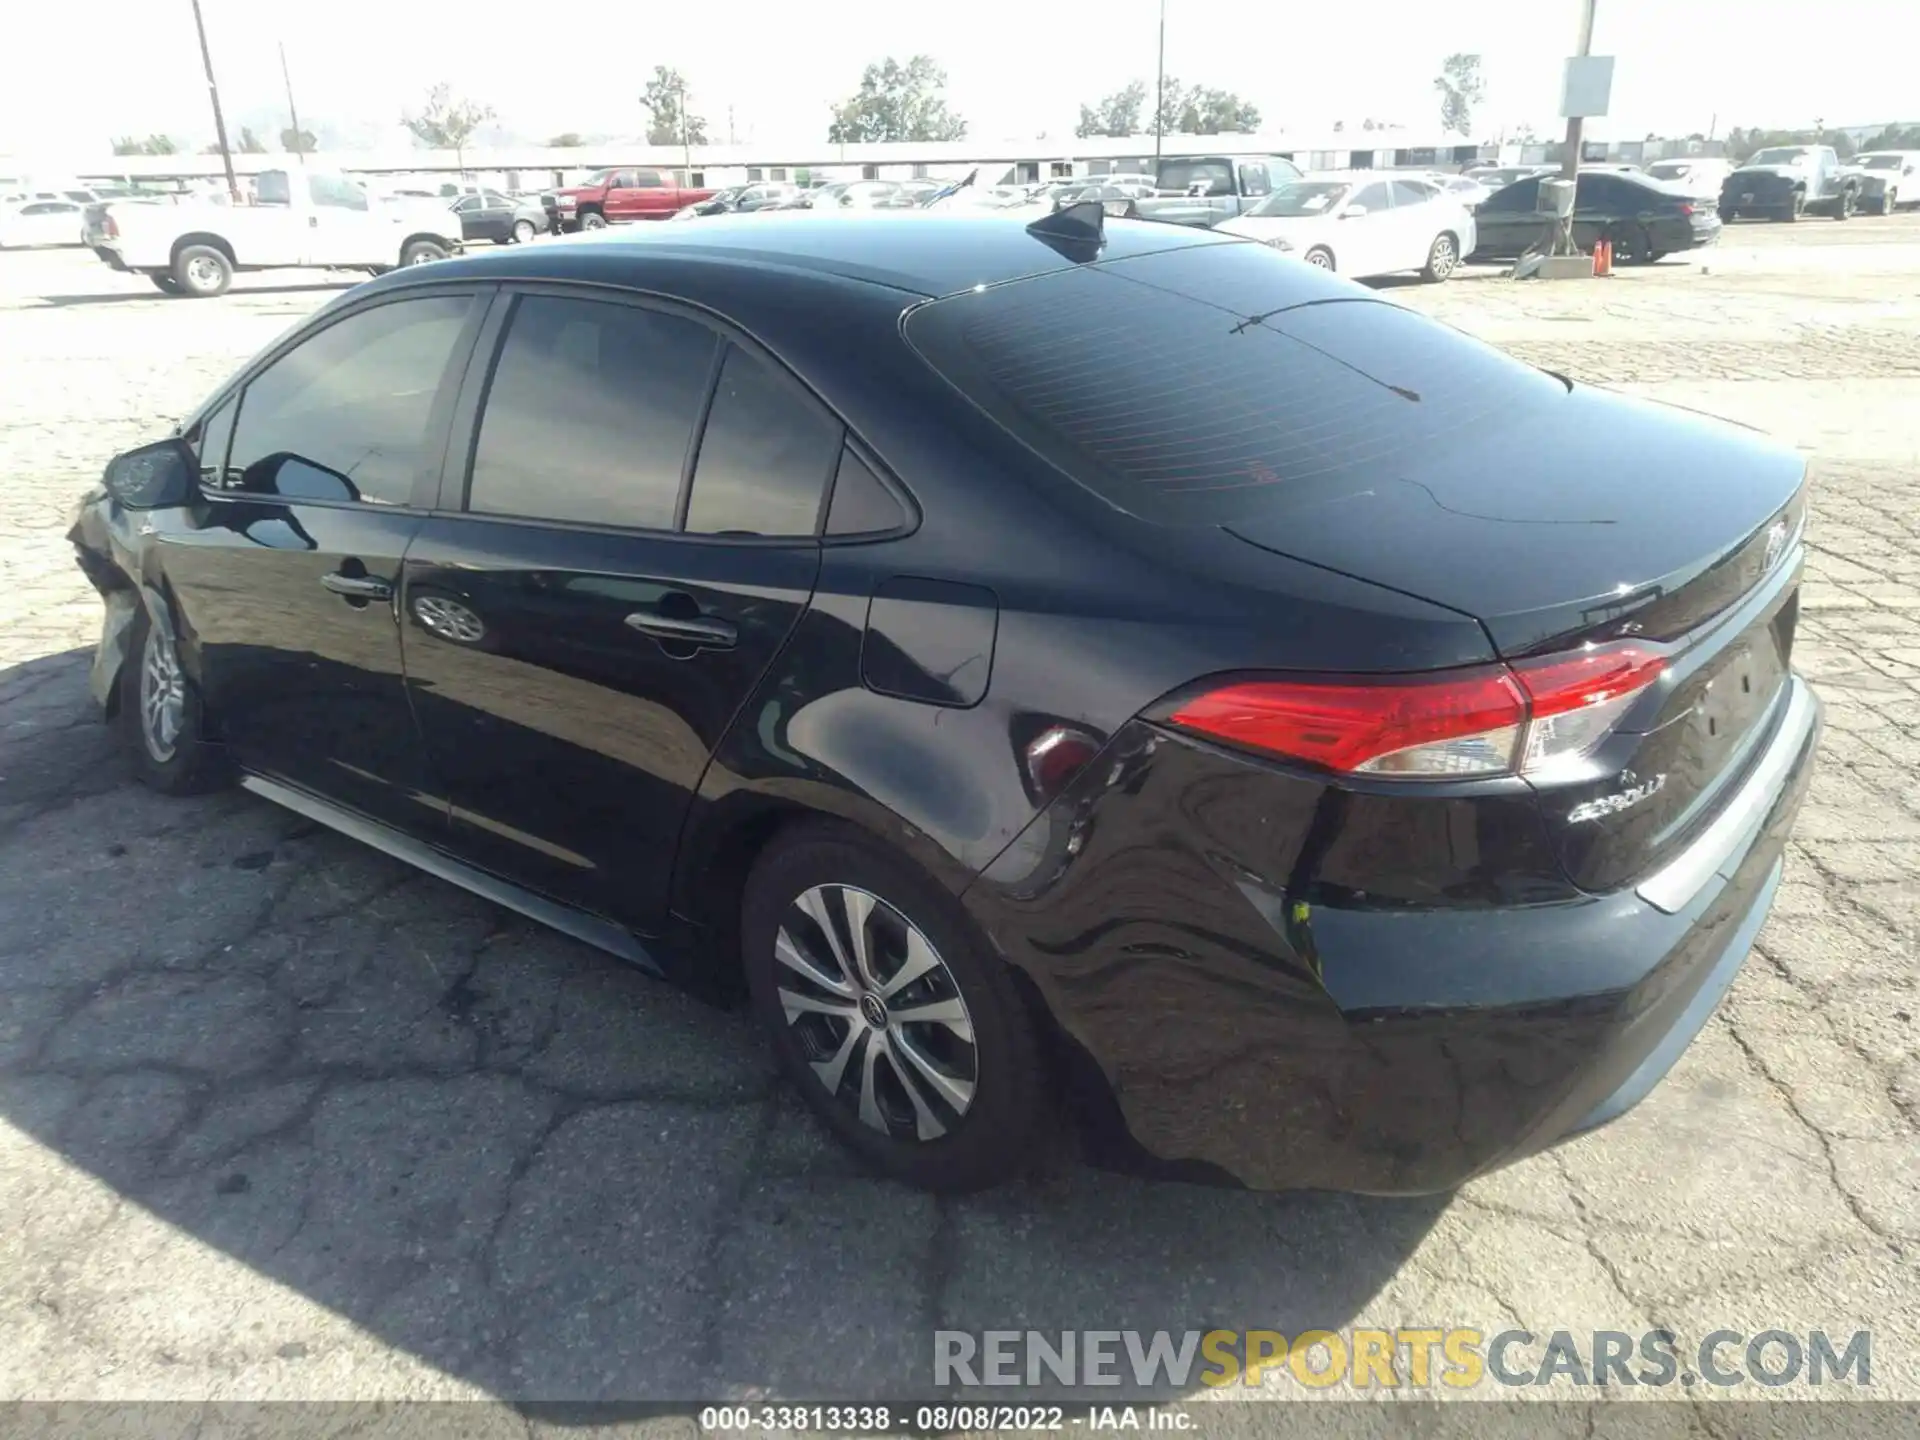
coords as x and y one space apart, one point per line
293 113
1159 87
213 94
1575 124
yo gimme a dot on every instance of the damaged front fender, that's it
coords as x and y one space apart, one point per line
105 565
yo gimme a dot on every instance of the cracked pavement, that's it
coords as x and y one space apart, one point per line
281 1118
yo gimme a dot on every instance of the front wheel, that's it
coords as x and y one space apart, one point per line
202 271
891 1013
593 220
162 718
423 252
1320 257
1846 205
523 231
1443 258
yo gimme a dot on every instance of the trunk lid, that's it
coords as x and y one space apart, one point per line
1572 517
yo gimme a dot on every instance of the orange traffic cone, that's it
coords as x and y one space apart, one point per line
1603 256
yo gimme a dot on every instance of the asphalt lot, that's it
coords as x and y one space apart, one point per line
280 1119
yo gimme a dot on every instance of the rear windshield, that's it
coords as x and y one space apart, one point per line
1220 383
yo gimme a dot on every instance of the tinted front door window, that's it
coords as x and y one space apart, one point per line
345 415
591 413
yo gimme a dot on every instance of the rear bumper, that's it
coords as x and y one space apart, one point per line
1224 1029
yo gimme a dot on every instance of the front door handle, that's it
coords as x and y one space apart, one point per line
700 631
358 587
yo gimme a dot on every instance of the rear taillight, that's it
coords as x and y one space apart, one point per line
1685 208
1527 718
108 228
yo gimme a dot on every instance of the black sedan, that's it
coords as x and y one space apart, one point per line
1080 661
489 215
1643 218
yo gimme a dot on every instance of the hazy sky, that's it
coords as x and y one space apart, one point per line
82 71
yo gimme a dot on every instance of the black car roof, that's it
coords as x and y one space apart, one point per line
926 254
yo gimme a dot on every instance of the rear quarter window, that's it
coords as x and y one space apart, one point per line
1218 383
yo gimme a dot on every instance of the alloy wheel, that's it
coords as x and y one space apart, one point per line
876 1013
1320 258
449 619
1444 257
163 697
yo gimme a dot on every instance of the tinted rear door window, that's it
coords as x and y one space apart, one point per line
590 412
765 457
1193 387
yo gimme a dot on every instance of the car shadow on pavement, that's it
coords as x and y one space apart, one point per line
241 289
491 1149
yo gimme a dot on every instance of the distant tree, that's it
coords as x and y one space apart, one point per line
152 145
247 144
897 102
669 121
1461 89
297 142
1894 137
1116 115
1199 110
565 140
1217 112
1743 143
447 122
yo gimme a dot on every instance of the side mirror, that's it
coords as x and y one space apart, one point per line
153 477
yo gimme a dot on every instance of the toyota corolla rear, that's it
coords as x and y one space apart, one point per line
1386 923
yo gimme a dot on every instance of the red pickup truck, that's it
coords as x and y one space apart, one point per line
613 197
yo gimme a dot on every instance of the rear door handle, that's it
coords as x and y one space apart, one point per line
358 587
701 632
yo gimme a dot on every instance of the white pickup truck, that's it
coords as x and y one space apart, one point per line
299 218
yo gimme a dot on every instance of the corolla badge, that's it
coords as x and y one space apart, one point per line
1776 543
1620 799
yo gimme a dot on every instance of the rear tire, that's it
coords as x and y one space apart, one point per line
1443 258
1320 257
422 252
1844 207
523 231
958 1100
202 272
161 717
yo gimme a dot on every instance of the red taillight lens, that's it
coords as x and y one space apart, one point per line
108 227
1494 720
1685 209
1574 700
1463 723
